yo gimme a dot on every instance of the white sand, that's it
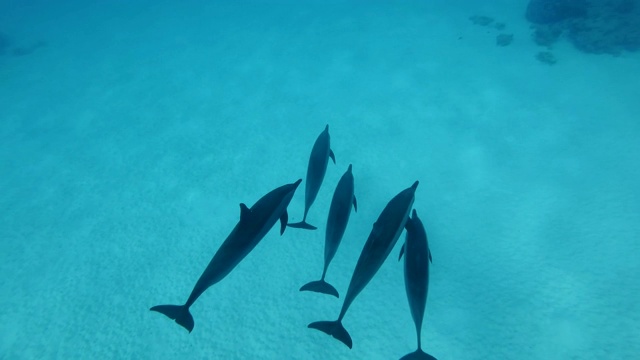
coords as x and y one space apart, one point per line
128 142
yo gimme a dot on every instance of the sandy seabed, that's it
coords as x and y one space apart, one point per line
128 141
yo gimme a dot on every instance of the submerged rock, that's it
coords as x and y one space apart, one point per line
553 11
610 27
592 26
504 39
546 57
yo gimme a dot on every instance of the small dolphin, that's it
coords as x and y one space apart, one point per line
416 278
253 226
339 212
318 161
384 235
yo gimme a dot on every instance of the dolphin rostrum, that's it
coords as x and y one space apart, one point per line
339 212
416 278
384 235
254 224
317 168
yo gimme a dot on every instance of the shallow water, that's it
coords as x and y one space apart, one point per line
132 132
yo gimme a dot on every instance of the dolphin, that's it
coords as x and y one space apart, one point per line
254 224
339 212
416 278
317 168
384 235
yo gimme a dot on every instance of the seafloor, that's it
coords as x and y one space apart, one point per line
131 131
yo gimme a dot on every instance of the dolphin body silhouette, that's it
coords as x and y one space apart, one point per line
416 278
339 212
317 168
384 235
254 224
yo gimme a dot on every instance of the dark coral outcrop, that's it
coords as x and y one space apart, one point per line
592 26
553 11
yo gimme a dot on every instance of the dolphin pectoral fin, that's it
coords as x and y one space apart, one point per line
355 203
320 286
335 329
332 156
284 219
430 258
401 252
418 355
179 313
302 225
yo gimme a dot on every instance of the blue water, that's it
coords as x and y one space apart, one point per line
131 130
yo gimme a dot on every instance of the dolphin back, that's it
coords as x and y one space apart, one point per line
416 268
418 355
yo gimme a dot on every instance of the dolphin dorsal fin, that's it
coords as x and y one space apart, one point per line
409 225
245 212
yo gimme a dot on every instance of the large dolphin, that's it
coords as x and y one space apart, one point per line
384 235
339 212
416 278
317 168
253 226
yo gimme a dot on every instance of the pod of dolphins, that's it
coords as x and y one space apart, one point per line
256 221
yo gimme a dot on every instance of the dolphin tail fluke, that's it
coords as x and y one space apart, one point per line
320 286
302 225
179 313
335 329
418 355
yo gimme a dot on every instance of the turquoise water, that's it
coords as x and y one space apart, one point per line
131 130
